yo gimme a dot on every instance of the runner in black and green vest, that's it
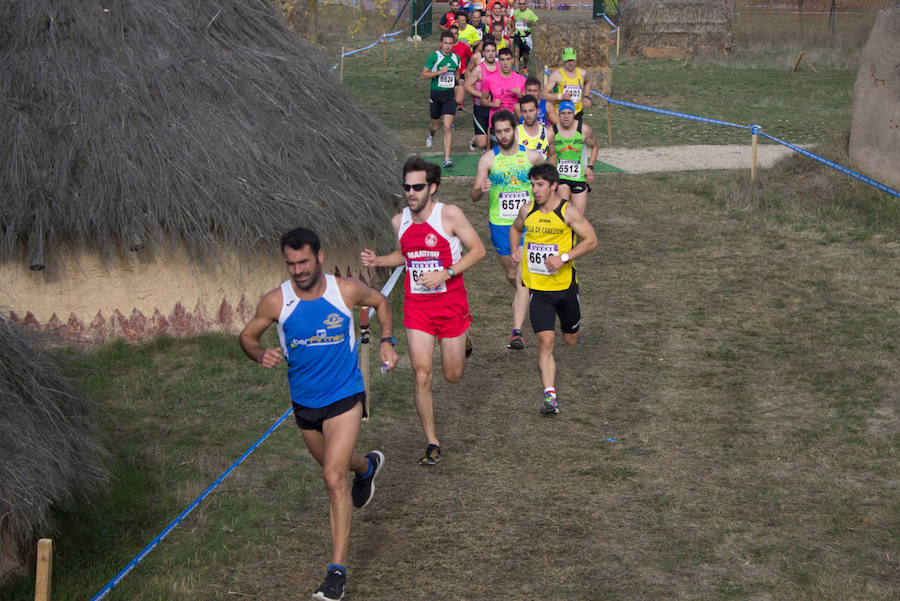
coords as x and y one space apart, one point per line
571 138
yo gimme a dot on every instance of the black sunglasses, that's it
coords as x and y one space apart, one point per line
416 187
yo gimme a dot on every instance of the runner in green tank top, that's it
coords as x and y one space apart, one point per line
571 138
503 172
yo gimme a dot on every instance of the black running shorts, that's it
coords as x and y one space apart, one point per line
442 102
546 305
312 418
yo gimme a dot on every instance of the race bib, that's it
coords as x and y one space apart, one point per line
418 268
511 202
569 169
536 255
447 80
521 26
576 93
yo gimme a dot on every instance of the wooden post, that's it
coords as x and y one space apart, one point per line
44 569
797 62
754 139
383 50
342 65
618 38
364 353
416 35
609 125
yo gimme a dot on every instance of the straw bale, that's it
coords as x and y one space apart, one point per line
591 42
699 27
167 124
50 456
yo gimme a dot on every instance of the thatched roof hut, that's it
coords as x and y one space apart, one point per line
154 152
697 27
49 454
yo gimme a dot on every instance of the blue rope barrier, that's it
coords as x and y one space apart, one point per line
388 37
836 166
755 129
140 556
424 12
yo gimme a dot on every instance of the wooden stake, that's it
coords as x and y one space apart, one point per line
44 569
797 63
618 38
383 50
755 139
364 352
342 65
609 125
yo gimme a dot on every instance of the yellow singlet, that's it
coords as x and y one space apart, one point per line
538 142
571 84
547 234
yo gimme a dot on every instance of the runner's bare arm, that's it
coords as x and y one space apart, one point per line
368 258
357 294
587 237
456 224
471 79
586 101
428 74
482 181
515 233
591 140
548 93
267 313
535 157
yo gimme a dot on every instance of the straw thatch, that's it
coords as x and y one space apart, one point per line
591 42
699 27
49 454
164 123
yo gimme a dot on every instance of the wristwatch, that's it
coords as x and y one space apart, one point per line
390 339
564 257
450 272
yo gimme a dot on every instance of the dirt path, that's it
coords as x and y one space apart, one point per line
687 158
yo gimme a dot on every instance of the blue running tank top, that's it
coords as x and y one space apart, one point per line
318 341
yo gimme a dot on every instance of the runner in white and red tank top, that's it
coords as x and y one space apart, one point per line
430 240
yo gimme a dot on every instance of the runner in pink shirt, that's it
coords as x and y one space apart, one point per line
502 88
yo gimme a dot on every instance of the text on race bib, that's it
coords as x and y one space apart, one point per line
511 202
521 26
569 169
418 268
576 92
447 80
536 257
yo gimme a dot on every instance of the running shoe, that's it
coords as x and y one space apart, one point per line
516 341
461 107
469 346
472 146
429 141
332 589
549 408
448 163
364 488
432 455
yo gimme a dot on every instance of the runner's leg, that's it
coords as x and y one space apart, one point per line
421 352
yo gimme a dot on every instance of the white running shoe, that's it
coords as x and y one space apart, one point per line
429 141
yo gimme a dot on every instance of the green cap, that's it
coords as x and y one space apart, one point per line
568 54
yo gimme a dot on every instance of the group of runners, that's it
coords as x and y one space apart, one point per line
536 175
537 235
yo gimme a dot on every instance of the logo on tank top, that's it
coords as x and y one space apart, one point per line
333 321
431 240
321 337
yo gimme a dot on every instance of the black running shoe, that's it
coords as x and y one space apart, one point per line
364 488
469 346
332 589
432 455
516 341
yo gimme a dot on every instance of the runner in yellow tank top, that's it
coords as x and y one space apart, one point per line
548 269
533 134
571 83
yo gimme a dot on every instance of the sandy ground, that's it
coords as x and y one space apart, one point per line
687 158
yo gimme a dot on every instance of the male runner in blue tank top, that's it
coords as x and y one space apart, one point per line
314 314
